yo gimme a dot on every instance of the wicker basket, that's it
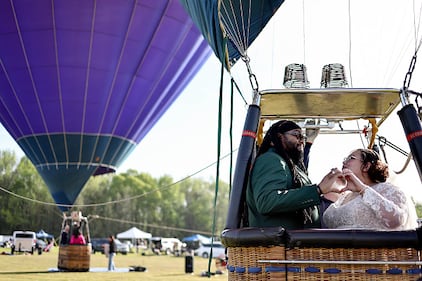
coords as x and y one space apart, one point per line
263 254
243 263
278 263
74 257
353 264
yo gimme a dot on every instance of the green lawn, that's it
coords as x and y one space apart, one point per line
159 268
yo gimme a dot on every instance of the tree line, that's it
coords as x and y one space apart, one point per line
113 203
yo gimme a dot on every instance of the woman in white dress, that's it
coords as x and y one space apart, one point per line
368 201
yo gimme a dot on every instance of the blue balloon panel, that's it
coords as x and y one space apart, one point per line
83 81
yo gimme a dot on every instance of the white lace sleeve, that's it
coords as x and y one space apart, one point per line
388 203
412 219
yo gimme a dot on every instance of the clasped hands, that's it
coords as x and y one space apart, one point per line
339 181
334 181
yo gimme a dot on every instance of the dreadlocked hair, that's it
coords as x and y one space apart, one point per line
272 139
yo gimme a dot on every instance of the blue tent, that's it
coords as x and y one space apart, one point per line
197 237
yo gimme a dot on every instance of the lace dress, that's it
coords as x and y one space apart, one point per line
382 207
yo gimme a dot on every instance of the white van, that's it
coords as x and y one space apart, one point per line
24 241
171 246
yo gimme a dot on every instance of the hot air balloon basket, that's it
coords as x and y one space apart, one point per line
280 263
74 257
284 262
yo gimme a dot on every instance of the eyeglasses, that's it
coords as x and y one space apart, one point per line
298 135
351 157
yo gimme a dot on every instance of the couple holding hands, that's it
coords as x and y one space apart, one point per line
280 193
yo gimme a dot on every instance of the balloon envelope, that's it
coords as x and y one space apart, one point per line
231 26
82 81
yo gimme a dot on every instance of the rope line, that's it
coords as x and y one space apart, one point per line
115 201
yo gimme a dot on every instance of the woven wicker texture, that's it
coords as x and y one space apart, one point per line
311 264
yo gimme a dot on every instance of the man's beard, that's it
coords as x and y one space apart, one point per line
296 155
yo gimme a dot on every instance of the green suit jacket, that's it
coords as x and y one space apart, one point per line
273 201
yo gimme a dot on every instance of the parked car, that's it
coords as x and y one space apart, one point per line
23 241
5 241
122 248
40 245
130 245
171 246
97 245
204 250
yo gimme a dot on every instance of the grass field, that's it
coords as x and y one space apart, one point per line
159 268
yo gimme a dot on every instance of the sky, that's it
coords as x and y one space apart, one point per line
375 41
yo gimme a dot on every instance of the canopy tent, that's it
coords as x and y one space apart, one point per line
134 233
43 235
197 237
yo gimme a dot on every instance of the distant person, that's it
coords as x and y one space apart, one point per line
368 200
64 239
77 238
112 248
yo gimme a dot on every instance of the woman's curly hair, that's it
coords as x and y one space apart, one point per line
378 170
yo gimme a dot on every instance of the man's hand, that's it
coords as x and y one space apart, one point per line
311 134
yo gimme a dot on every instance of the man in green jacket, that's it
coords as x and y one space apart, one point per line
279 191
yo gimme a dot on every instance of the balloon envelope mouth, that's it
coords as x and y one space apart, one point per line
66 168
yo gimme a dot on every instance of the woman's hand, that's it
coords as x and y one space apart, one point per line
353 182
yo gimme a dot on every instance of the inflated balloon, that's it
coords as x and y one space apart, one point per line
230 26
83 81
